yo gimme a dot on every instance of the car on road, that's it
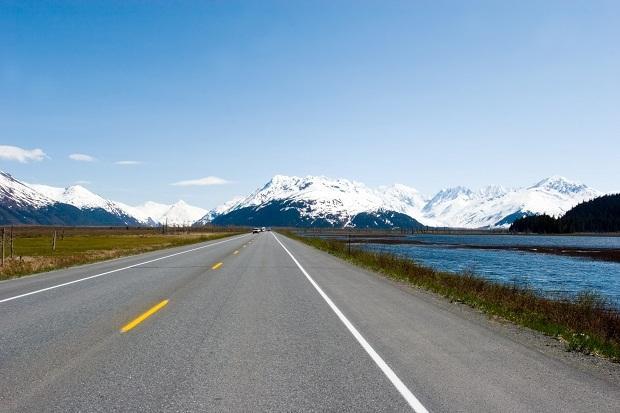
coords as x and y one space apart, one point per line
263 229
255 230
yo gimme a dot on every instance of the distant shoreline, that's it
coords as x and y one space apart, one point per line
486 232
602 254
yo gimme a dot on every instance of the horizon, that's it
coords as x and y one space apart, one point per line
426 195
196 101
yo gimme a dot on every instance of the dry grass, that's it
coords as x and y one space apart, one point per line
588 323
32 251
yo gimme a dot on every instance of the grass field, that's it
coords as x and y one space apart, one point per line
33 250
587 324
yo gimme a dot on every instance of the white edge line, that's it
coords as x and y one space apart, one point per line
116 270
414 403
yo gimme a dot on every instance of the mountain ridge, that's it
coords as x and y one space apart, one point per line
302 201
336 201
25 203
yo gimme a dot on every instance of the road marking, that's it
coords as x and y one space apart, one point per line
236 252
218 265
131 325
414 403
116 270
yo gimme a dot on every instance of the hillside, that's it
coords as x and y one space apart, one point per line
598 215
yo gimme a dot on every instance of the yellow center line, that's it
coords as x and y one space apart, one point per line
218 265
143 316
236 252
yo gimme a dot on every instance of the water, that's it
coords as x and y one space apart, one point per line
566 241
551 275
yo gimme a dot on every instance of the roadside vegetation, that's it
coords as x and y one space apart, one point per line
587 323
29 250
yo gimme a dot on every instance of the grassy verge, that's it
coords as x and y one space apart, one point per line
33 253
587 324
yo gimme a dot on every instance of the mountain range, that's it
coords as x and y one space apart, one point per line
320 201
35 204
311 201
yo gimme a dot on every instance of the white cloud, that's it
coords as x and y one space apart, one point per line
80 157
15 153
83 182
129 162
206 181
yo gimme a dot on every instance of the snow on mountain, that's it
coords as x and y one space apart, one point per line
18 193
463 208
220 210
307 200
562 185
445 205
332 200
317 199
154 213
320 199
82 198
75 195
149 213
22 203
403 199
182 213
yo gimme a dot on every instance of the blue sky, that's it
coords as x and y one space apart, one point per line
426 93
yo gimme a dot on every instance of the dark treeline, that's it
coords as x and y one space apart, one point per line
598 215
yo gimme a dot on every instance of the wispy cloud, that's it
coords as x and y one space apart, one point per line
129 162
81 157
15 153
206 181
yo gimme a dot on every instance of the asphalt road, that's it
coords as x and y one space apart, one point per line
262 323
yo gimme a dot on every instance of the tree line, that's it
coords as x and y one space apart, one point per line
598 215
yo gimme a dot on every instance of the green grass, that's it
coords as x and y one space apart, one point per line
33 253
586 324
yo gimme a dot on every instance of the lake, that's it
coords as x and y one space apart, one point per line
551 275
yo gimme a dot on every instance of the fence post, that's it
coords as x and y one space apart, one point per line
349 243
54 242
11 242
3 246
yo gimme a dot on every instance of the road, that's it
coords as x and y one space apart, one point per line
263 323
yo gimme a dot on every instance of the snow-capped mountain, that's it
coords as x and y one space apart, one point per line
333 200
83 199
154 213
18 193
494 206
403 199
147 214
21 202
182 213
295 201
150 213
322 201
219 210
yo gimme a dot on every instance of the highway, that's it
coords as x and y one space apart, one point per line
260 322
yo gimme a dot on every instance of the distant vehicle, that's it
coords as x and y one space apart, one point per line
263 229
255 230
269 229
